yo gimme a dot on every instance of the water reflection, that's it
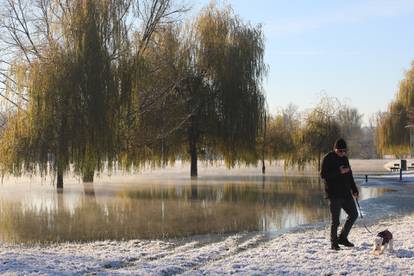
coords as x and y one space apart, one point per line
88 212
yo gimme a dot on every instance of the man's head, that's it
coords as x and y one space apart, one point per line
340 147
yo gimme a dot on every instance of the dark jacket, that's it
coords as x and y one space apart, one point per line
337 185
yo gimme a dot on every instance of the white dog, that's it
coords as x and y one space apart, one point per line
383 240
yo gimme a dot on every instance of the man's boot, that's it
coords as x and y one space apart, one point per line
335 246
345 242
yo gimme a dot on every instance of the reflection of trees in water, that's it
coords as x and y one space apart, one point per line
234 192
126 219
167 211
369 192
194 189
88 189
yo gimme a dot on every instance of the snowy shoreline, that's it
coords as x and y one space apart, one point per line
301 251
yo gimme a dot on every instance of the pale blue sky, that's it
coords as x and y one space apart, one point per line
354 50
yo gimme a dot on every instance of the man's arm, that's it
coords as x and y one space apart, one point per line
326 172
353 184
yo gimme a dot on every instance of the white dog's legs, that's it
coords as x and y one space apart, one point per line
383 248
391 245
374 248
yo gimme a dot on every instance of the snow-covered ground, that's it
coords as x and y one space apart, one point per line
302 251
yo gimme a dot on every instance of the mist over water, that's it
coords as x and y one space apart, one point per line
161 207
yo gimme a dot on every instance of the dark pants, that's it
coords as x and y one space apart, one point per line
336 204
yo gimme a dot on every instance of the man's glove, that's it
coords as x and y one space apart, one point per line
355 194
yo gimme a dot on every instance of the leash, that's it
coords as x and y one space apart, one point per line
360 212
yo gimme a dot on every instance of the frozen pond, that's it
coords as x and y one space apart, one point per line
159 209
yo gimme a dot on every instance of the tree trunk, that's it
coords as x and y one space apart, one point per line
319 162
88 176
59 183
192 140
60 155
264 143
193 154
263 166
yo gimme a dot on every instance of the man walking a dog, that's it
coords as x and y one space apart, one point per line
340 189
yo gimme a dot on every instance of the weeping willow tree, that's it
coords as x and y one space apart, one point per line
211 103
317 134
282 135
101 87
391 135
221 91
152 108
96 101
318 137
79 82
231 56
350 123
70 99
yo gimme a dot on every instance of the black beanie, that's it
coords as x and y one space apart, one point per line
340 144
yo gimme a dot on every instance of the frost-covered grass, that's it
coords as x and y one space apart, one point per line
300 253
308 253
